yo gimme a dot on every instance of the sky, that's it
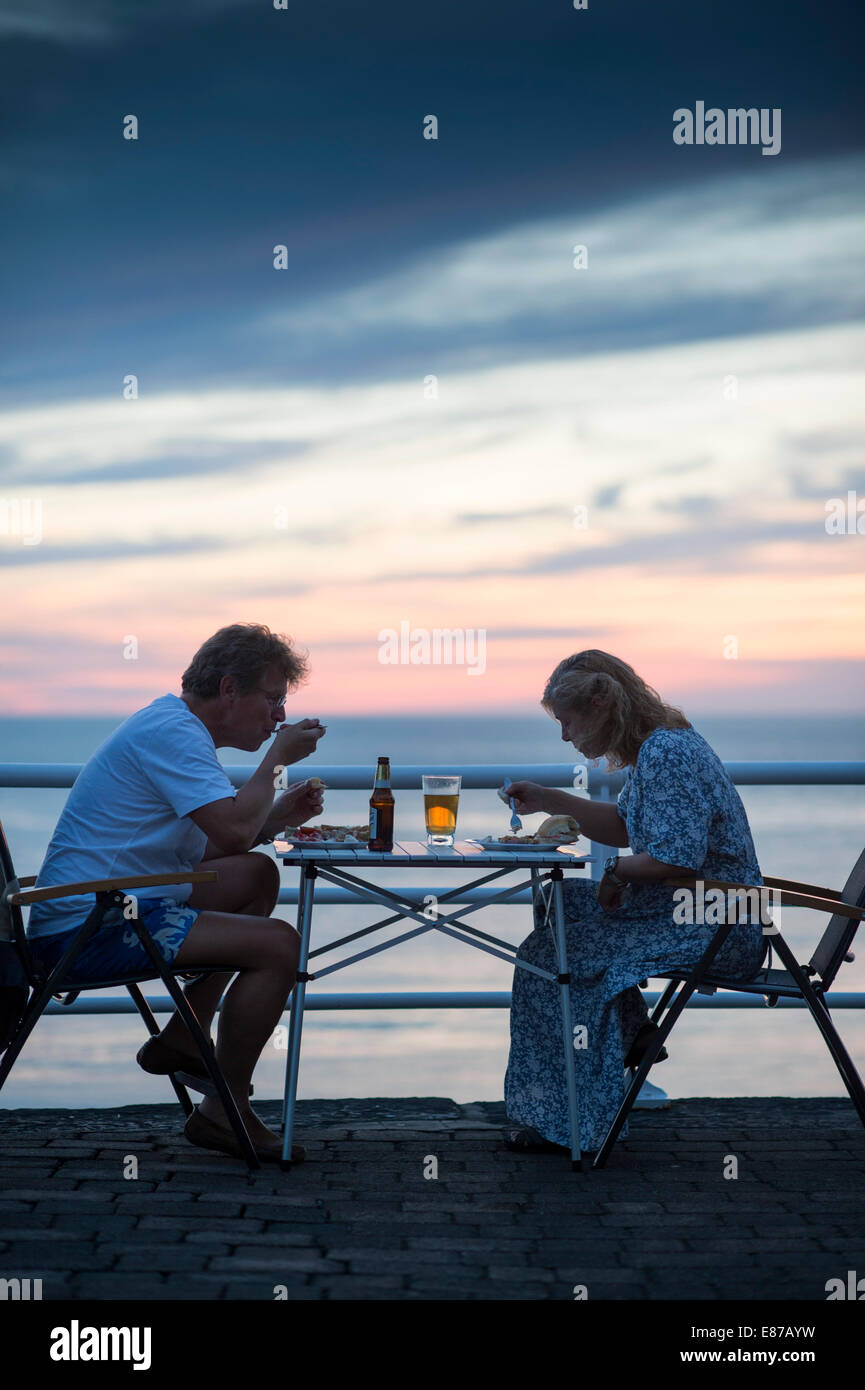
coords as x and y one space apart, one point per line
439 415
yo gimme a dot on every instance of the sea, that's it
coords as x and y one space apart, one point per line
813 834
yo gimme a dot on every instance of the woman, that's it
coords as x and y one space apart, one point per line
680 814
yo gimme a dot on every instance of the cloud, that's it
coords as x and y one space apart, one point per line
351 485
722 543
807 486
514 634
211 459
521 514
731 252
96 22
608 496
42 554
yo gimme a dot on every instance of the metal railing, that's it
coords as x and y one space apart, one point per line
475 776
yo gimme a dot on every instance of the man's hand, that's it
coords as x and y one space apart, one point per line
294 742
528 797
610 894
299 803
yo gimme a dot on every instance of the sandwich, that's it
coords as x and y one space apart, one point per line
558 830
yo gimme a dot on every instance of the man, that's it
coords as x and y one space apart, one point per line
154 798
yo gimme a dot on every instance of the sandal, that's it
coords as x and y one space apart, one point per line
158 1059
528 1141
205 1134
640 1046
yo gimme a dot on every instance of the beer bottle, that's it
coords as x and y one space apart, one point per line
381 809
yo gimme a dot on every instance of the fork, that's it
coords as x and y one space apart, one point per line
516 823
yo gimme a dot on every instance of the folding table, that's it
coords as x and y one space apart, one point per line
341 864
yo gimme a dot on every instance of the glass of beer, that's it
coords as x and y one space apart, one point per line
441 797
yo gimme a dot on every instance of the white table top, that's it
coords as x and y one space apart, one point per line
406 854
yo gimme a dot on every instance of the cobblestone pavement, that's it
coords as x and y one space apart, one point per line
361 1220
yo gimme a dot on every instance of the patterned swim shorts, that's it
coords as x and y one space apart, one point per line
115 951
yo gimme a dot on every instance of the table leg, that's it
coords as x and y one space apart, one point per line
292 1012
292 1069
567 1026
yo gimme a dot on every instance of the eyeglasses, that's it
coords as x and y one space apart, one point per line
275 701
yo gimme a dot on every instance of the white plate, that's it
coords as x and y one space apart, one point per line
509 844
322 844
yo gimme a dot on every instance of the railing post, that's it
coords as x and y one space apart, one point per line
600 852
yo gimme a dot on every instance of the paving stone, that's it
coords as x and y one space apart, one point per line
262 1281
554 1252
36 1193
451 1277
80 1222
17 1174
468 1245
170 1257
109 1186
368 1261
132 1287
367 1286
274 1263
153 1204
521 1274
360 1222
601 1277
293 1199
63 1255
36 1223
222 1225
310 1233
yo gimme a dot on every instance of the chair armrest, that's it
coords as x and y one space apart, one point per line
802 887
786 897
26 882
105 885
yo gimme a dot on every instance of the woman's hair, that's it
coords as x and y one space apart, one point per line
245 651
630 708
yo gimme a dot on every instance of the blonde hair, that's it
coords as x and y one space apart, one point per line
629 711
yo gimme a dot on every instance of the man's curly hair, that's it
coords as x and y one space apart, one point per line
245 651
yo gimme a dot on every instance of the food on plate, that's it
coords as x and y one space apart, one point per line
555 830
560 829
344 832
315 834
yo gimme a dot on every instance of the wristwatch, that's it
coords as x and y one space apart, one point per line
610 866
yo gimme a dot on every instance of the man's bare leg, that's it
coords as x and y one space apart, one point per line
266 950
248 884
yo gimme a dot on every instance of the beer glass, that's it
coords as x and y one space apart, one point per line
441 797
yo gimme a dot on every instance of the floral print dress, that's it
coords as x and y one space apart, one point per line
680 806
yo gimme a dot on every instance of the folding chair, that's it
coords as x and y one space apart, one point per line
809 982
33 988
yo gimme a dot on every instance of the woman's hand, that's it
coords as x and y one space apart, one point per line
528 797
610 895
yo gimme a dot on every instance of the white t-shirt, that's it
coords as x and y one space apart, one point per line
128 811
